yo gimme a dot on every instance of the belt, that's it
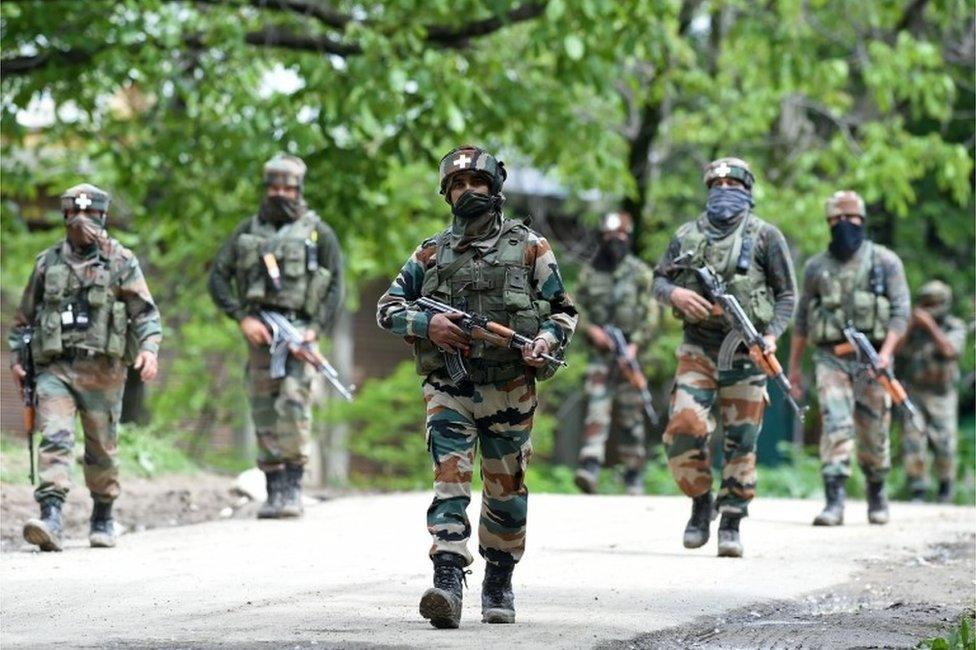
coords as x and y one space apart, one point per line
72 354
290 314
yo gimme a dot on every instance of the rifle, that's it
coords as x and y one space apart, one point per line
28 391
285 339
864 351
743 333
479 328
631 370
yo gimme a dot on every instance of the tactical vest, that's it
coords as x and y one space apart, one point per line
496 284
849 292
304 281
733 258
926 368
81 315
614 296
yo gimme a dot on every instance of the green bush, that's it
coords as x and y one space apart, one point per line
960 637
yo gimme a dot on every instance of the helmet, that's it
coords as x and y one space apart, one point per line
285 169
84 197
729 168
936 296
617 222
845 202
473 159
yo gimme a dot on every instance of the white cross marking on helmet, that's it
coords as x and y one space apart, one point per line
722 170
462 161
82 201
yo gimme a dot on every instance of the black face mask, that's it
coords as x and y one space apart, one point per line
845 238
610 253
726 202
280 209
474 204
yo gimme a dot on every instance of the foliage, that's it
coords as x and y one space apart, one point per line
960 637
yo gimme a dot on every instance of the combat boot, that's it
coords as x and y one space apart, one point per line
634 482
697 531
271 509
441 604
877 503
291 494
588 475
729 544
945 492
101 533
46 531
497 599
918 494
833 512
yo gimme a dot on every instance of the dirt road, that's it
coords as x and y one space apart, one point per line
598 569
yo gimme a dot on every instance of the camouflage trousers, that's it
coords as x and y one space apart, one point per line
498 418
92 389
941 411
606 390
281 410
852 404
740 396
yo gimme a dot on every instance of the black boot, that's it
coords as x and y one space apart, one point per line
877 503
497 599
697 530
291 495
271 509
101 534
441 604
634 482
833 512
918 494
587 475
729 544
46 531
945 492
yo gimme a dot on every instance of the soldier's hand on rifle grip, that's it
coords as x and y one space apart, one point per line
599 337
690 303
255 331
443 333
532 352
759 356
18 373
147 364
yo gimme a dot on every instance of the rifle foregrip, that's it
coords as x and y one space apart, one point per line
30 418
894 388
843 349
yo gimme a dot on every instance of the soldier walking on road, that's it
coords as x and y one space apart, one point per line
932 345
91 314
751 256
287 260
500 269
614 288
855 280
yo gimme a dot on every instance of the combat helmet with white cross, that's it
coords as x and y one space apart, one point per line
86 198
468 158
729 168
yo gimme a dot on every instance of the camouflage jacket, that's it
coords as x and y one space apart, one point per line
395 312
229 297
129 286
622 297
926 369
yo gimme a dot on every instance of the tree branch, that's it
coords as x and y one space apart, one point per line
275 37
458 36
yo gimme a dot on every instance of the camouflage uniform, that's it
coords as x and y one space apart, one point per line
852 403
511 276
81 370
931 382
756 264
310 261
620 297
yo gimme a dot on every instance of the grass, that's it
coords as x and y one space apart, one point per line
960 637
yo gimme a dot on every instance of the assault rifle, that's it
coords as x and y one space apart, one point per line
28 391
631 370
479 328
285 339
864 352
743 333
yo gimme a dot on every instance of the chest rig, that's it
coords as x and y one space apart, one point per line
613 297
301 284
496 283
849 291
80 311
733 258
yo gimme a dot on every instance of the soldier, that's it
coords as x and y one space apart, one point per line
501 269
283 259
863 282
614 289
932 345
92 314
752 256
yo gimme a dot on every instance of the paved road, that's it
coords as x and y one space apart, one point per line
351 574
